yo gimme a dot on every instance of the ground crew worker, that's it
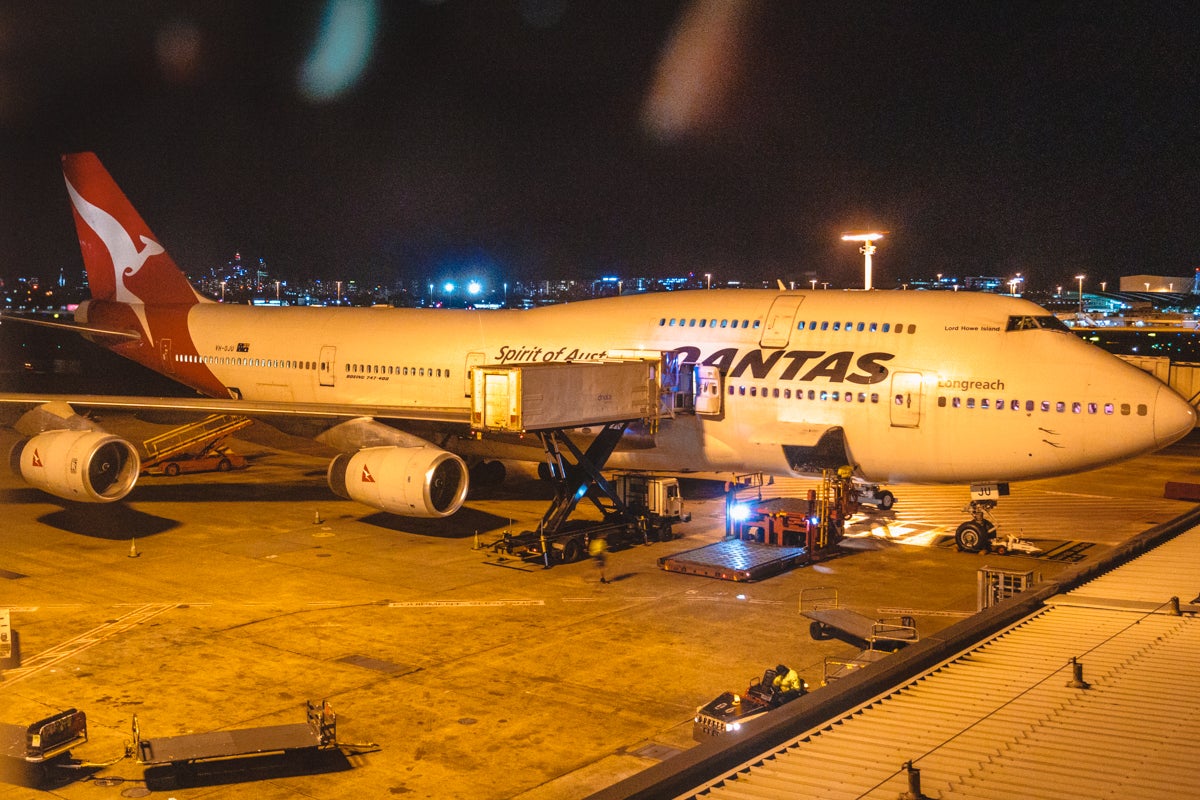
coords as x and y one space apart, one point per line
598 550
786 681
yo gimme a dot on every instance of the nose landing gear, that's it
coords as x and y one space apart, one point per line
975 535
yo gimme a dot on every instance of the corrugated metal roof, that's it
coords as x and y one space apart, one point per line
1170 570
1000 720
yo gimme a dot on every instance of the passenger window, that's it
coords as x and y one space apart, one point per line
886 327
912 328
1142 410
1045 405
956 402
742 391
1029 405
837 326
874 397
1093 408
754 391
787 394
1124 409
824 395
1016 405
941 402
861 326
970 402
824 326
874 326
1108 408
1060 406
1076 408
983 403
812 394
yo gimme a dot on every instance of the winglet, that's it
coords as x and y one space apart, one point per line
123 258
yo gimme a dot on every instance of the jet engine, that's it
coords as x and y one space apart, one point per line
86 466
409 481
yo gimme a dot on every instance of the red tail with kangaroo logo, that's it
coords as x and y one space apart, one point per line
140 300
124 261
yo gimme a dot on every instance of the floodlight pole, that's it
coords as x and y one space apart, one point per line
867 249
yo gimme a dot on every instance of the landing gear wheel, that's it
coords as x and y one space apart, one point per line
886 500
224 465
820 631
974 537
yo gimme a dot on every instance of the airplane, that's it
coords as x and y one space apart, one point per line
904 386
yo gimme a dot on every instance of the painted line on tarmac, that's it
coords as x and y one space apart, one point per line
84 641
464 603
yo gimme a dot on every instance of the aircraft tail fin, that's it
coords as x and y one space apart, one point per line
124 260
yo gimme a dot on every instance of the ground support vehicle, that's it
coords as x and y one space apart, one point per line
195 447
728 712
319 732
650 507
829 619
27 750
213 459
736 560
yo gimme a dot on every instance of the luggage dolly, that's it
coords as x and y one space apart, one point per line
319 732
820 604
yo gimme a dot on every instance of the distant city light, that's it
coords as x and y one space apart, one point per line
474 287
448 287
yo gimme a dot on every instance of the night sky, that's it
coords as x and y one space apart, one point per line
554 138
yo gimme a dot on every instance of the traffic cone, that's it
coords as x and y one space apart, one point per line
317 518
133 553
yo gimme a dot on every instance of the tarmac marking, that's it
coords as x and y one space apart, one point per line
84 641
465 603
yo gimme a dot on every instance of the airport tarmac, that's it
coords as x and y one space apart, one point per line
220 601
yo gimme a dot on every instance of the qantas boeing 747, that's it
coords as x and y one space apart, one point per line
932 387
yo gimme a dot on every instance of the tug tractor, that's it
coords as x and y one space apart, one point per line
856 493
728 712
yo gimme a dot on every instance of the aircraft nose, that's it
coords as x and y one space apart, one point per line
1174 417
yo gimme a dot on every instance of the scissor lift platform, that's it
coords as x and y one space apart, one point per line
318 732
736 560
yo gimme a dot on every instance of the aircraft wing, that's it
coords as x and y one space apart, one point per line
242 407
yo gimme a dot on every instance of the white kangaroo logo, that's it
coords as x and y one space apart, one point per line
126 257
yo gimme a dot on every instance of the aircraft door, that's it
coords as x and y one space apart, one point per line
325 367
708 390
907 389
778 329
473 360
164 353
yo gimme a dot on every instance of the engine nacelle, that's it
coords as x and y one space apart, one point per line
409 481
86 466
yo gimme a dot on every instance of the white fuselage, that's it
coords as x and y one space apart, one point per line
925 386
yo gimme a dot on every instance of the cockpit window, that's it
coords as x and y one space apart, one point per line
1048 322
